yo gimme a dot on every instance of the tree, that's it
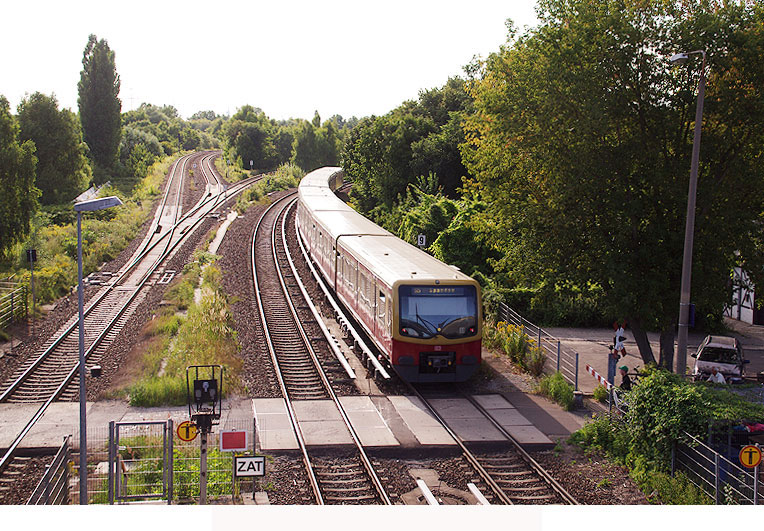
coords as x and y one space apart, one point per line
62 168
581 142
99 102
315 146
17 172
251 141
383 155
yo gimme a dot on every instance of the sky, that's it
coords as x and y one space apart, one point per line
288 57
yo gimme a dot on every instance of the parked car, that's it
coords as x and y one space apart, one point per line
722 352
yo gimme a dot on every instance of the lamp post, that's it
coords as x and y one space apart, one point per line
85 206
689 229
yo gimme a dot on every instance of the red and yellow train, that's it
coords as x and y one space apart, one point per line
423 315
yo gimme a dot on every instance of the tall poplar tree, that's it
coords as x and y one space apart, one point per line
100 106
17 170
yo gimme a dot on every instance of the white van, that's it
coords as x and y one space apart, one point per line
721 352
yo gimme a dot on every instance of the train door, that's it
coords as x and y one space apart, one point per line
366 301
384 316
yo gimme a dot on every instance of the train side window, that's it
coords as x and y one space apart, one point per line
381 306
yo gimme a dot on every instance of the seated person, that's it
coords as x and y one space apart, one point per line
716 376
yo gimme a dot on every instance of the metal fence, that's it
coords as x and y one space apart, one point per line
53 488
13 302
148 461
140 462
559 358
721 479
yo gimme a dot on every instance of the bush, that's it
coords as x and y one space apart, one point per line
662 407
534 362
601 394
556 388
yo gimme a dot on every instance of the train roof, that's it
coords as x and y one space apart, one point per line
393 259
384 253
344 222
319 178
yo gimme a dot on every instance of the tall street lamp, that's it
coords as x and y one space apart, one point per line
689 229
85 206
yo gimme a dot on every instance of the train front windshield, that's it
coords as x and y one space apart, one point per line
427 311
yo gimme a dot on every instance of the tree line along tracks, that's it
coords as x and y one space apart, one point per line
53 375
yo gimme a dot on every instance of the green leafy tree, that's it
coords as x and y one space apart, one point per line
62 168
99 102
314 146
283 143
306 149
377 157
17 173
249 136
581 142
383 155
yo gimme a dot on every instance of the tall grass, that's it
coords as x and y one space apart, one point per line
513 341
285 177
556 388
205 336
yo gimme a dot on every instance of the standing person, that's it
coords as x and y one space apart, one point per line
625 380
612 363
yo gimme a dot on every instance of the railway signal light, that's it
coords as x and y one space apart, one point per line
206 399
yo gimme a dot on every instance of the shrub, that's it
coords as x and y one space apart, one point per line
601 394
556 388
534 362
601 434
662 407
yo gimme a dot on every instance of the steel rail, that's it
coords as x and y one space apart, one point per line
468 455
8 456
272 351
537 468
155 221
94 303
376 482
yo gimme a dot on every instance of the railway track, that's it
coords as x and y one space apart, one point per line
52 375
350 479
512 477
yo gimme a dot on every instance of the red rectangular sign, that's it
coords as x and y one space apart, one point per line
234 441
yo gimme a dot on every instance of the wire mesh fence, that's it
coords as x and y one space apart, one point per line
559 359
721 479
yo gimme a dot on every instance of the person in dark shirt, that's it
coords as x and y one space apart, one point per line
625 380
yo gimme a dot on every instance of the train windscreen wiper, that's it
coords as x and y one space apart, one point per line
427 324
